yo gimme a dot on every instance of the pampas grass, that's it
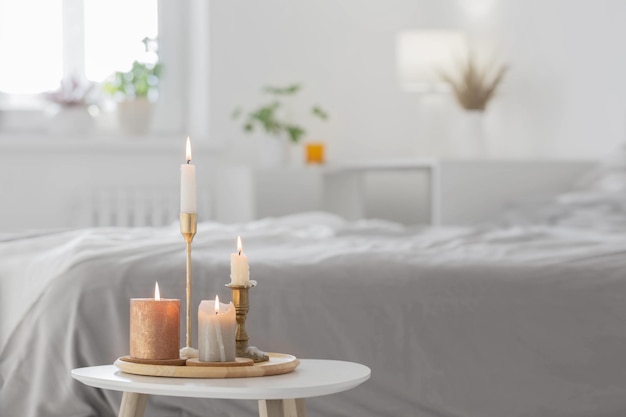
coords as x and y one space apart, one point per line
475 86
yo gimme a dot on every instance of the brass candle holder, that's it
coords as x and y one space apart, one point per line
188 227
242 306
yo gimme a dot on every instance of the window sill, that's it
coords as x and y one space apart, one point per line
100 142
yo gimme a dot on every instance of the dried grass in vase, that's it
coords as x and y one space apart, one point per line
476 86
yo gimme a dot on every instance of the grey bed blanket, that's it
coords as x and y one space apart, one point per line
507 320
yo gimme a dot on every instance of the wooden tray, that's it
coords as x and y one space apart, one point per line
279 363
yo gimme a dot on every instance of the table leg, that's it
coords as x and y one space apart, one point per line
294 407
133 404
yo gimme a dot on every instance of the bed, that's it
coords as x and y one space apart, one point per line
524 316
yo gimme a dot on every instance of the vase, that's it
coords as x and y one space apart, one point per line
279 152
69 119
135 116
295 154
272 152
469 139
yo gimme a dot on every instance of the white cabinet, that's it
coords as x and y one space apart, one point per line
398 190
353 191
416 191
243 193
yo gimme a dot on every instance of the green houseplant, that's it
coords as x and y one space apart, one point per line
270 117
474 86
68 110
134 92
142 80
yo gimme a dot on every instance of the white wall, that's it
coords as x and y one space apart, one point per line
564 95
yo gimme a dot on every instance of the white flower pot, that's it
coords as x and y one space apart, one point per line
469 139
135 116
69 119
272 152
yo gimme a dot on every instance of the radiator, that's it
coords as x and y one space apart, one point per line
133 207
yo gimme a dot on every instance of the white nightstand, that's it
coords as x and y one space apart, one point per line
245 193
278 395
345 192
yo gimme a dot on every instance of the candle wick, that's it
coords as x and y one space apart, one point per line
239 252
188 161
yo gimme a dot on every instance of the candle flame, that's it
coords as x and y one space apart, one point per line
157 294
239 246
188 151
217 304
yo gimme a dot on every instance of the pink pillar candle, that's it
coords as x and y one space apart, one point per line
154 328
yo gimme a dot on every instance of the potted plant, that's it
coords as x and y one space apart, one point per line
273 119
473 86
135 91
69 110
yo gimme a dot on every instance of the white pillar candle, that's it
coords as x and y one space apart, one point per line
188 184
239 268
217 325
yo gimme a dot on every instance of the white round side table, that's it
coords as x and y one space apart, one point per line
278 395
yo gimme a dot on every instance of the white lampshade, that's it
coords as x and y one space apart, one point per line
422 54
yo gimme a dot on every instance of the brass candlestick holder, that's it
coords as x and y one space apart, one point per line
188 226
242 306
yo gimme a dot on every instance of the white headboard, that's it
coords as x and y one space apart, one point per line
471 191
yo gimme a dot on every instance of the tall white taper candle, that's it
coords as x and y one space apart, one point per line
188 183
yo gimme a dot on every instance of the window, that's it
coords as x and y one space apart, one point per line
109 50
84 40
65 38
93 38
30 46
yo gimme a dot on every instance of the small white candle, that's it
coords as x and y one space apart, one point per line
188 183
217 325
239 268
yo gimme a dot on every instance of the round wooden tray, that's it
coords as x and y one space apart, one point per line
279 363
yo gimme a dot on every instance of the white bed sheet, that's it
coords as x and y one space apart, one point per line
522 320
